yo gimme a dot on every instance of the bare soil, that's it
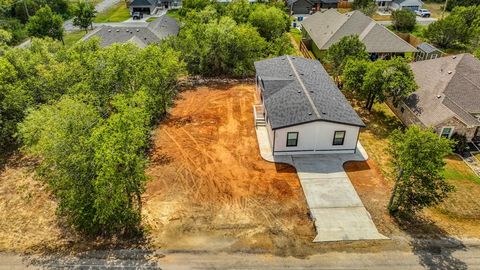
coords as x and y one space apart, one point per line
211 190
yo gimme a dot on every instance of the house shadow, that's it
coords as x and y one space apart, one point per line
433 246
96 259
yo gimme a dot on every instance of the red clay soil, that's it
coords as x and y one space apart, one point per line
209 187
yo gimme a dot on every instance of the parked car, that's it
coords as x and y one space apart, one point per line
137 15
423 12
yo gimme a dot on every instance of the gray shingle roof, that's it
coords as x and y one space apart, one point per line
328 27
299 90
448 87
426 47
140 34
136 3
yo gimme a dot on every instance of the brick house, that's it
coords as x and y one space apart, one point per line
448 96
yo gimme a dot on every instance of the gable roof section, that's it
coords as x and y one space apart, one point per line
137 3
299 90
327 28
141 34
408 2
448 87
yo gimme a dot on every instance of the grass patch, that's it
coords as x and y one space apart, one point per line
151 19
436 9
296 35
117 13
378 17
461 207
174 13
73 37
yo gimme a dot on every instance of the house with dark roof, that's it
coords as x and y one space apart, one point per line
448 96
426 51
309 6
406 4
140 34
323 29
149 6
302 108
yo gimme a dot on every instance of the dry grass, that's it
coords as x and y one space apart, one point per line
460 213
436 9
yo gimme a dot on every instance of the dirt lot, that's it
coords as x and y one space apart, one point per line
209 189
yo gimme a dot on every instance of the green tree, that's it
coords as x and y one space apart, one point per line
379 80
368 7
239 10
60 135
418 155
338 54
404 20
45 23
84 13
119 161
447 33
160 68
271 22
477 53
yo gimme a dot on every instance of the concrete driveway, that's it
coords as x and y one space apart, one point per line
334 204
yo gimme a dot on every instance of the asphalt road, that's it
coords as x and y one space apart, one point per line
434 254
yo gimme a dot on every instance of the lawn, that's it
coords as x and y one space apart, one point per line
174 14
117 13
72 37
460 212
436 9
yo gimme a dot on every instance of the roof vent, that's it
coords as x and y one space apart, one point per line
145 38
309 113
118 30
290 75
324 113
109 30
454 57
449 72
299 91
302 74
138 30
439 96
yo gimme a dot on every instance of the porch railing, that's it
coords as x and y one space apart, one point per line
259 115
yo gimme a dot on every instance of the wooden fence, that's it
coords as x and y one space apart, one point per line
305 51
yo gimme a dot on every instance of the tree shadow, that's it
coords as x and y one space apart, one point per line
433 246
135 258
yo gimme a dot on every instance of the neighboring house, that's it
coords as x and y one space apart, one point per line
448 97
141 34
302 108
149 6
426 52
383 5
406 4
310 6
323 29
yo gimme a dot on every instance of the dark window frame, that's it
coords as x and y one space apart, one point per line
296 139
335 135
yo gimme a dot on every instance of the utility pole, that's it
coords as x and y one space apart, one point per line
444 8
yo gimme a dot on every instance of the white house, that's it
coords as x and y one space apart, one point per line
302 108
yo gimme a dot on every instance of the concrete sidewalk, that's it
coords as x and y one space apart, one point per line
337 210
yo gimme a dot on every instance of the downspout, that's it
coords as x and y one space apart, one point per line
358 135
273 144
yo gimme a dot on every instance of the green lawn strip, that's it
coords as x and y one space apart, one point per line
72 37
174 14
117 13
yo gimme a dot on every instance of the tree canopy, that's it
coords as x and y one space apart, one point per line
366 6
404 20
349 47
86 112
418 155
45 23
379 80
84 13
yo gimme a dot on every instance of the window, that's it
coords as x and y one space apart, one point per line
292 139
446 132
339 138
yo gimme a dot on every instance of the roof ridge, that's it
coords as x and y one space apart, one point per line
460 108
366 30
305 91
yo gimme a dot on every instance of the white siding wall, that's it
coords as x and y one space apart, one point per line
316 138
